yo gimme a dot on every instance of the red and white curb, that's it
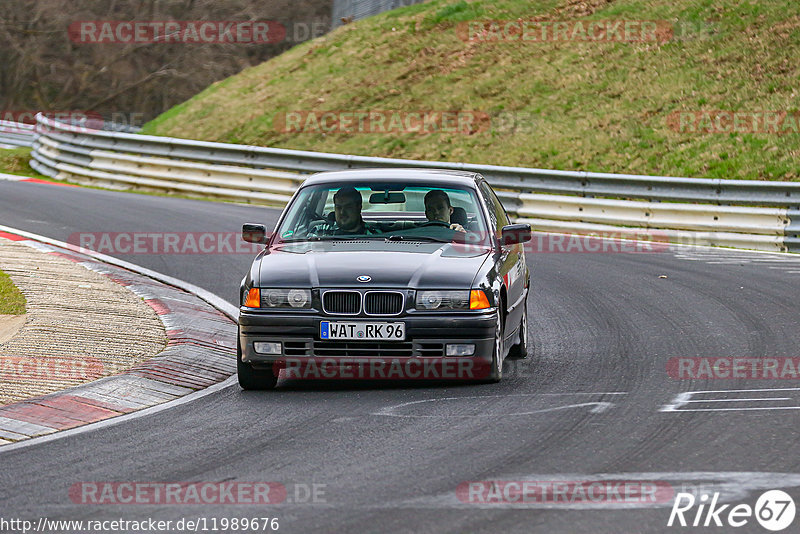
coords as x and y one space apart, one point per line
17 178
201 352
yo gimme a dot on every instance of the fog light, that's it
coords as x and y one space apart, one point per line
461 349
267 347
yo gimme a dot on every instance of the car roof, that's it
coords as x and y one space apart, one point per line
437 176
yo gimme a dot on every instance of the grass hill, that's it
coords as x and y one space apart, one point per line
12 301
568 104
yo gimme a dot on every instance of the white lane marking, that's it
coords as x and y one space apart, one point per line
597 406
708 250
738 409
785 262
759 390
741 400
682 399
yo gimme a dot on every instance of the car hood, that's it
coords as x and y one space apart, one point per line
391 264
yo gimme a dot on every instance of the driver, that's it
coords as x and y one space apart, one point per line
347 209
438 208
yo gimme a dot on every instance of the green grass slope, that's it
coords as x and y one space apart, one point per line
596 106
12 301
17 161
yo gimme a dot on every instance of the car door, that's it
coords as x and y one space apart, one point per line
510 262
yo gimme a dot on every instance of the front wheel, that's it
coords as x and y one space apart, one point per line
496 373
253 379
520 350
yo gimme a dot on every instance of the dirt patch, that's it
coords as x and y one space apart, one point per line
10 325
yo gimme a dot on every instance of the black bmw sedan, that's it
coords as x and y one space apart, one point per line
385 274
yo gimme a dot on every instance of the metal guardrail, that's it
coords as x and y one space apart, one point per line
16 134
739 213
359 9
23 135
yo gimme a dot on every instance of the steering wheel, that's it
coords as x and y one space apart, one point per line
436 223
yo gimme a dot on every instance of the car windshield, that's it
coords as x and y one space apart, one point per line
380 211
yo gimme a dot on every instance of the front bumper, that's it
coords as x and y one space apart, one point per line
424 346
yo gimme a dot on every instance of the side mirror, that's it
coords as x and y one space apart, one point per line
254 233
516 233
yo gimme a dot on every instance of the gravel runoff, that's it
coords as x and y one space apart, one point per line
80 326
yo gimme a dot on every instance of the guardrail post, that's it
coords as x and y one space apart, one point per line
792 231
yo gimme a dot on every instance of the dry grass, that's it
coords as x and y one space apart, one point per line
17 161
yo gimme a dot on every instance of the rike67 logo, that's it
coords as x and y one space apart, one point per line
774 510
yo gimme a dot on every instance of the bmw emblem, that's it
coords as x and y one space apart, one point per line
364 278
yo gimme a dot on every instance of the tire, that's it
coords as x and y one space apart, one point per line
252 379
496 373
520 350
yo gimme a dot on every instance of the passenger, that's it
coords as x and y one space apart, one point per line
438 209
347 209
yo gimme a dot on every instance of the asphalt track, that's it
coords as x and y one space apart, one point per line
389 457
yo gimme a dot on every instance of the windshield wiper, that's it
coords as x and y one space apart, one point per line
297 240
307 239
374 237
355 237
412 238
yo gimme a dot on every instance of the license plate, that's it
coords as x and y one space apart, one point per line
362 331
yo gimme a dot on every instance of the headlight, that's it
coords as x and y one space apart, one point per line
443 300
299 298
284 298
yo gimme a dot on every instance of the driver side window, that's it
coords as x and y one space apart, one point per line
308 218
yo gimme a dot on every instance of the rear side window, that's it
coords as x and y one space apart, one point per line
497 212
